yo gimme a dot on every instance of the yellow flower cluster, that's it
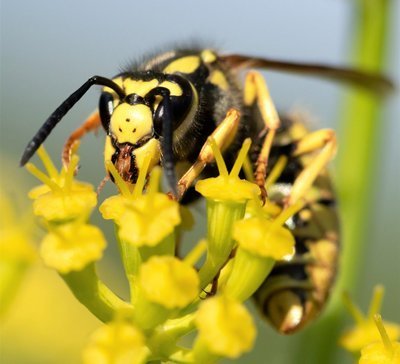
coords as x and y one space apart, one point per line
65 205
144 221
168 281
165 291
225 327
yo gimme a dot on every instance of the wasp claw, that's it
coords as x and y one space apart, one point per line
263 194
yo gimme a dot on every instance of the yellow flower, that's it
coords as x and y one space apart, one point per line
116 343
114 207
364 331
376 354
63 205
383 352
264 238
145 220
169 282
61 198
228 187
261 243
70 247
225 326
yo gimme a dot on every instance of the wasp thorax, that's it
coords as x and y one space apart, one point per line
131 123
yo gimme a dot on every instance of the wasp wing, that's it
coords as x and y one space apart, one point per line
369 80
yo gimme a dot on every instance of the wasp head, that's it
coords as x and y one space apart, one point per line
143 121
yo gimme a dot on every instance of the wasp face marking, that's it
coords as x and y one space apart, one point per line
131 123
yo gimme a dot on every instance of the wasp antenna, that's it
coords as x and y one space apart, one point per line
60 112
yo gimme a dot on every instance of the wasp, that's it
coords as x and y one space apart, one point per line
171 103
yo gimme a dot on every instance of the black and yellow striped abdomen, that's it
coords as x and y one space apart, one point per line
296 290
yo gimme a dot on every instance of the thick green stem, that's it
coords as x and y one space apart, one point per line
164 339
248 273
94 294
221 216
133 257
131 260
356 170
360 142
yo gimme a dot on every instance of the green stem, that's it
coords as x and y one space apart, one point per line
221 216
360 142
93 293
131 260
180 326
248 273
356 173
133 257
208 271
164 339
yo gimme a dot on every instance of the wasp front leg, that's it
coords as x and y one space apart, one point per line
325 140
223 135
92 123
256 90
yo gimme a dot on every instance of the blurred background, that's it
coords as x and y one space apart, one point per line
50 47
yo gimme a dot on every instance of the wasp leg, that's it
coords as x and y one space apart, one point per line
223 136
214 287
91 124
325 140
255 89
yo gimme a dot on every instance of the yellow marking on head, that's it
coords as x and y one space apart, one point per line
139 87
152 147
208 56
187 64
109 150
174 88
130 123
219 79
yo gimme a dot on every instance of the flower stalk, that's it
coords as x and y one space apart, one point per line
226 197
94 294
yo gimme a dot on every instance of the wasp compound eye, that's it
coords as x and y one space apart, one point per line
106 108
